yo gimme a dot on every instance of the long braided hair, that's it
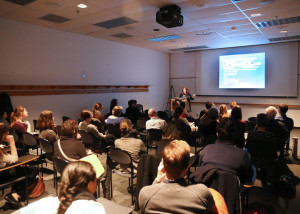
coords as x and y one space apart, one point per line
75 179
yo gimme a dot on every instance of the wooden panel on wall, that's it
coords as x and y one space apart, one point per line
30 90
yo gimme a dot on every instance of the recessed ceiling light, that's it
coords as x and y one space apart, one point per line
82 5
255 14
283 31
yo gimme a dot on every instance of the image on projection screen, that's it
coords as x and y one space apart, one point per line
242 71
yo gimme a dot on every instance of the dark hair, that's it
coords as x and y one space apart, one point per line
261 120
213 113
97 107
208 104
178 112
113 103
45 121
236 113
16 113
226 129
75 179
3 130
85 114
132 102
69 128
283 108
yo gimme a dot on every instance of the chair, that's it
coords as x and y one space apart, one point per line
48 148
114 129
141 124
32 142
86 137
119 156
59 165
153 136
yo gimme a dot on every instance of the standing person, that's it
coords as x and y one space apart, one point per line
185 94
47 127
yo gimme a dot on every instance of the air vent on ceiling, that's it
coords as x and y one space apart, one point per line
235 1
21 2
285 38
195 48
122 35
116 22
55 18
164 38
278 22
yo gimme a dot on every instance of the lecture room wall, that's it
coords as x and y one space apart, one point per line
32 55
187 68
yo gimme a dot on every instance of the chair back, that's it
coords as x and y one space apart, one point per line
15 135
60 164
154 134
46 146
86 137
120 156
163 115
29 139
141 124
114 129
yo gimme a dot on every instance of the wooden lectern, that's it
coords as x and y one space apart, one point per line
185 101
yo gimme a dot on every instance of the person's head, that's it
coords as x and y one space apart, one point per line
152 113
125 127
117 111
178 112
223 109
176 156
3 115
45 121
77 177
232 104
176 103
171 131
185 90
113 103
283 108
132 103
213 113
208 104
236 113
97 115
261 120
3 131
69 128
271 112
225 129
86 115
18 114
97 107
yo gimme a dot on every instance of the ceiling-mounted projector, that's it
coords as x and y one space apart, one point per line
169 16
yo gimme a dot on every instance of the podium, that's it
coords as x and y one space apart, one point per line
182 100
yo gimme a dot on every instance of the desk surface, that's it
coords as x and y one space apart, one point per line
22 160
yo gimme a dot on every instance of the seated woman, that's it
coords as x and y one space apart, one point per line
127 142
115 118
6 159
71 147
97 108
96 121
78 184
209 126
47 127
223 112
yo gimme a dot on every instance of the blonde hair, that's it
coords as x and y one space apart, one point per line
125 127
271 112
223 111
117 111
15 114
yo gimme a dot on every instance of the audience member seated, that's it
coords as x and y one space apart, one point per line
225 155
115 118
7 159
239 126
18 124
3 118
277 128
97 113
155 122
262 147
232 104
223 112
113 103
208 126
132 112
71 147
76 193
184 127
170 193
135 147
102 141
287 121
208 105
47 127
101 127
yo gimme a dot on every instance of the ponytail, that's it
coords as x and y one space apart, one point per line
16 113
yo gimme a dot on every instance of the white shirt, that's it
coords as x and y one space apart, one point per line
155 123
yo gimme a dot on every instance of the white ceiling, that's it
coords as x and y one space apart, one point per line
217 16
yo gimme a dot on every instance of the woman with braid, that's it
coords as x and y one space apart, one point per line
78 184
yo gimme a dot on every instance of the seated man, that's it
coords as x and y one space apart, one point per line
155 122
170 193
225 155
85 125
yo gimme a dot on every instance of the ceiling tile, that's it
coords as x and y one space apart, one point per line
6 7
24 14
73 12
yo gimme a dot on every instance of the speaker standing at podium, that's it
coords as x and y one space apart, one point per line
185 95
